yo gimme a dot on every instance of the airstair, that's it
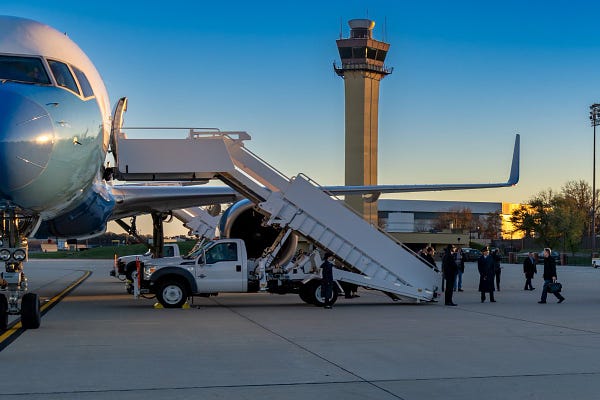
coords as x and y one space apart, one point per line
372 258
198 221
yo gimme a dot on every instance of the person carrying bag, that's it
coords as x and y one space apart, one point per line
550 283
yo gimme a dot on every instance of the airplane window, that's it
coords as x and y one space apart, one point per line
23 69
63 75
86 88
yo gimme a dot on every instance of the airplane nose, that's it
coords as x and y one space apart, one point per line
26 140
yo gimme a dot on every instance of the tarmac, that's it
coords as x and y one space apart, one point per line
97 342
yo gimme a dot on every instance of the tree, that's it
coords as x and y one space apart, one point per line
580 193
492 225
534 218
569 220
523 220
542 207
457 219
553 218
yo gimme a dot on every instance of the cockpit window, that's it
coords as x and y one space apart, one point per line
23 69
86 88
63 76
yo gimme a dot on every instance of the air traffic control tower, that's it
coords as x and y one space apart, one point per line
362 69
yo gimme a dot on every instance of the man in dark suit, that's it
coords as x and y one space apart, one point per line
549 276
327 280
529 269
449 269
485 265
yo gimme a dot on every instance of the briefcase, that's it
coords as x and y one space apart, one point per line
554 287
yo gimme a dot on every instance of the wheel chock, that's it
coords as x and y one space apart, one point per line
158 306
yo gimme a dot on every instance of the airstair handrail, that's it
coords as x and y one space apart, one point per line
266 163
195 132
315 183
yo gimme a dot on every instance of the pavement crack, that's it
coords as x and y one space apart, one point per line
588 331
306 349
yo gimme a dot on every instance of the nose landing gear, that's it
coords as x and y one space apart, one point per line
13 252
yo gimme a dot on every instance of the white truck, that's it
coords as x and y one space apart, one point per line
125 266
223 266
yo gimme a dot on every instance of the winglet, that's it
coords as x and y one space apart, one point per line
513 179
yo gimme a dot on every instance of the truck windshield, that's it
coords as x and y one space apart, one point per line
197 249
23 69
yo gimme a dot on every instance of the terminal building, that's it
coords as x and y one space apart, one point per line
415 222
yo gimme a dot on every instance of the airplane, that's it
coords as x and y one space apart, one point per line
56 128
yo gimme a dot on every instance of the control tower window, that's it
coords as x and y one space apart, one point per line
371 53
381 55
23 69
63 76
345 52
359 33
359 52
86 88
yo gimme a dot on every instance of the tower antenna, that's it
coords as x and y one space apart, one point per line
340 27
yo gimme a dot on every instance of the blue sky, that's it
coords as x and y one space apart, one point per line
467 76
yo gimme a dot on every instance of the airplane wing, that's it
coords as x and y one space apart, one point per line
133 200
379 189
141 199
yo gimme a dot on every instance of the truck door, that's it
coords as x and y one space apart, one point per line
222 269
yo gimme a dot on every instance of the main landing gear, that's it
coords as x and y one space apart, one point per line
13 253
157 247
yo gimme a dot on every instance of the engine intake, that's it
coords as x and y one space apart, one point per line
243 221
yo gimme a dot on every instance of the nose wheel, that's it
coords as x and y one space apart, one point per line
3 313
31 316
30 311
14 229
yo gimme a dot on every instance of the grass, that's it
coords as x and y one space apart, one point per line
107 252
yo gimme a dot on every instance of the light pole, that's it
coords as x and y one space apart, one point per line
595 120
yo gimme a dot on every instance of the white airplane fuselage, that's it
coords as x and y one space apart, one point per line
54 125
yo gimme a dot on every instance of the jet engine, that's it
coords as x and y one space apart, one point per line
243 221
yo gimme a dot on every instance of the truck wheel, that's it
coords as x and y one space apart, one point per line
134 276
3 313
30 311
172 294
305 294
129 270
315 294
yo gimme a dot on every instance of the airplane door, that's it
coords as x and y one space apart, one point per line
222 269
115 129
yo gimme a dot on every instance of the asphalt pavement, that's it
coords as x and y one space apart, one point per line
98 342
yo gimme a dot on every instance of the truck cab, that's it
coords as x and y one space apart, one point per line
211 267
222 267
125 265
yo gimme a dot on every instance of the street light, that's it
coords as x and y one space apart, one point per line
595 121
